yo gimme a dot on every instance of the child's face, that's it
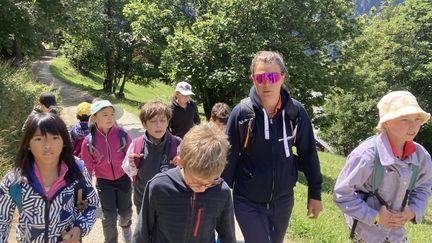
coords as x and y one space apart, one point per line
104 118
403 128
157 126
198 184
46 149
267 90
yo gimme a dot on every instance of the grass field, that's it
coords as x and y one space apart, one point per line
135 94
329 227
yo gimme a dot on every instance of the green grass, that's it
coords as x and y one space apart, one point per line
135 94
331 226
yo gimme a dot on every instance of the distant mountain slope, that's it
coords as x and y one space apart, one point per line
363 6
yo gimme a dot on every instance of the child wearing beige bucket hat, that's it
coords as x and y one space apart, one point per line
387 180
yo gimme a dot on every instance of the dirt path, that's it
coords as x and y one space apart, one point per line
71 97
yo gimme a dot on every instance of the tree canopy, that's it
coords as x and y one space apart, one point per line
393 53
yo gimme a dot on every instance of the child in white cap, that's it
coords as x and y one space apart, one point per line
103 151
184 110
387 180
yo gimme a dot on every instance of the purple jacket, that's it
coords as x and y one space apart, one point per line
107 159
357 176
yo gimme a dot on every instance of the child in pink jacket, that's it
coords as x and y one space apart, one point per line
103 151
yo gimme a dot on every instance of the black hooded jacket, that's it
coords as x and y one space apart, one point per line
268 171
172 212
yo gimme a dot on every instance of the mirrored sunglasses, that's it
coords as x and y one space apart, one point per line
272 77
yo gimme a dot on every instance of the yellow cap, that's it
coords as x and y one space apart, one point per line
83 109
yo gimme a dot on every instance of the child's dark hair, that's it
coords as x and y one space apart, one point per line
47 99
47 123
220 112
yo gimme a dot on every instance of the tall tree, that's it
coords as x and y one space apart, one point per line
393 53
25 25
214 54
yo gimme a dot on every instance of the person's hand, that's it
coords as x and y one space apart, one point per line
389 219
72 236
314 208
131 158
405 216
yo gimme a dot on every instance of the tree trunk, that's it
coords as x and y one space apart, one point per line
109 52
109 66
18 53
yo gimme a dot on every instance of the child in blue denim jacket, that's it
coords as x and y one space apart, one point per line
382 215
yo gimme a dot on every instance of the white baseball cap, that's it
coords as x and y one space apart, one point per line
184 88
99 105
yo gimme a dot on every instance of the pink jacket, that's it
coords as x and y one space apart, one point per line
106 160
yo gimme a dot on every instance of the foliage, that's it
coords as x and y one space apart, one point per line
24 25
153 21
18 92
135 94
393 53
215 52
98 35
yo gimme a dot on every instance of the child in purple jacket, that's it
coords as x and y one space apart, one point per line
381 216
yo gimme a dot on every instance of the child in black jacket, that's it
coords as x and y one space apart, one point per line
189 202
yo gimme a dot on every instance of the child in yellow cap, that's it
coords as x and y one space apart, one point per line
81 129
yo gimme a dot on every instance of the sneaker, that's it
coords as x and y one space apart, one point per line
127 234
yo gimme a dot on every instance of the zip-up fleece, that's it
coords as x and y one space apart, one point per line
41 219
172 212
107 158
154 157
183 119
267 171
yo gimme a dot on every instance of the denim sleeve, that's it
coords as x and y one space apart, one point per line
418 200
354 175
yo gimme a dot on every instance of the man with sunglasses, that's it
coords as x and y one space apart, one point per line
262 168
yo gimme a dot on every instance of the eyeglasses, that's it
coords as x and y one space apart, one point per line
272 77
191 182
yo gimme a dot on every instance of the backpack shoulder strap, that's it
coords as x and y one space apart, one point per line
292 111
91 141
378 168
122 135
173 147
139 147
246 122
80 190
15 192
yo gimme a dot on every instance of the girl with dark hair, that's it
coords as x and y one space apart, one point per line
49 186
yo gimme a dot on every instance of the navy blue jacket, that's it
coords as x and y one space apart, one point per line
264 173
172 212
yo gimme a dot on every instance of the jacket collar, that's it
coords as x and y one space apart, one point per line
386 153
